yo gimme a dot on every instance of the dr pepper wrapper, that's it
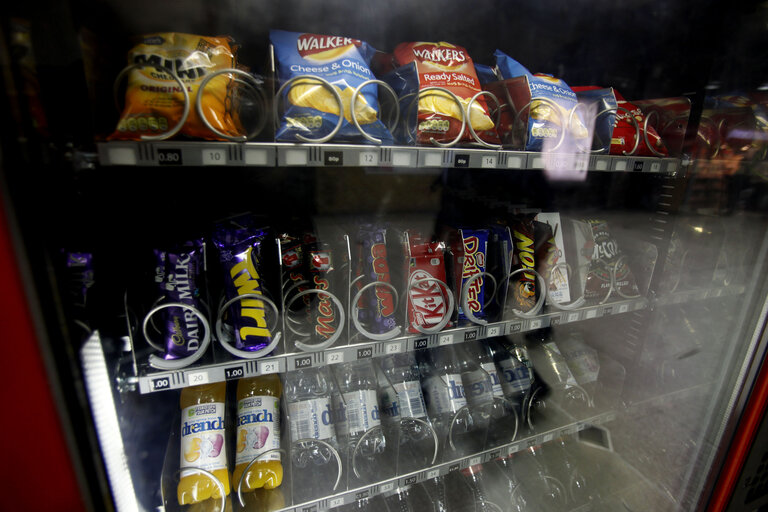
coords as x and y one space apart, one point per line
178 274
240 256
378 315
427 303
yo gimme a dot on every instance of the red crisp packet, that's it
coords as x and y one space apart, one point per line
624 140
429 304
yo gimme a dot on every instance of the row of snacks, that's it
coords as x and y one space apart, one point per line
342 90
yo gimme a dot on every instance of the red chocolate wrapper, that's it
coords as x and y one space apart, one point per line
294 271
522 286
427 301
606 257
324 312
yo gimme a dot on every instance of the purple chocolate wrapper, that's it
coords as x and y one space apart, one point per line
240 256
177 274
474 250
379 314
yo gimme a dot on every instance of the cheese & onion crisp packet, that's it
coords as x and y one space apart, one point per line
311 109
154 102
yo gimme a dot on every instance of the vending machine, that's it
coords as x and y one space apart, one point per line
405 256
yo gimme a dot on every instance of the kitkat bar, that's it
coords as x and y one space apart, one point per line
521 294
378 315
428 303
449 67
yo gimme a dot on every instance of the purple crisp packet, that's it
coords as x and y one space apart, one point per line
379 314
240 256
178 273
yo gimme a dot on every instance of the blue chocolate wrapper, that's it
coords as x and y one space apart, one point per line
177 274
475 249
379 313
240 256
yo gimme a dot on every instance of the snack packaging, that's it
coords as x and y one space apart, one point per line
438 116
428 304
470 248
630 124
240 254
600 105
377 313
154 103
552 122
311 109
323 271
522 286
550 256
500 253
178 273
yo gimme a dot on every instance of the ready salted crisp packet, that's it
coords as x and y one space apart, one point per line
312 110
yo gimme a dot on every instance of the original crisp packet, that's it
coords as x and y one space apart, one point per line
154 102
311 109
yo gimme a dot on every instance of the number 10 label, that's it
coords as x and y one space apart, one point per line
214 156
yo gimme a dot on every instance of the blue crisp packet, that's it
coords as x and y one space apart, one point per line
486 74
311 109
550 111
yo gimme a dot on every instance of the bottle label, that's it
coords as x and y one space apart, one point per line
311 419
515 376
446 393
560 365
359 411
410 399
496 388
258 428
202 437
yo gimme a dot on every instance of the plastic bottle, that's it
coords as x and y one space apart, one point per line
258 431
504 412
515 375
308 398
475 477
203 442
402 373
357 410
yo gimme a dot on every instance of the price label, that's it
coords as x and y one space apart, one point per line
410 480
234 373
445 339
592 313
656 167
470 335
488 162
434 473
335 357
454 467
607 311
215 156
168 156
197 378
515 327
309 508
267 367
393 348
365 352
386 487
494 455
335 502
161 383
548 437
494 331
362 494
302 362
514 448
420 343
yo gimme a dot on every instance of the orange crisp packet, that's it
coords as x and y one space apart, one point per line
154 100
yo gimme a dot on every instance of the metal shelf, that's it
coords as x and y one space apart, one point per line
686 296
257 154
150 381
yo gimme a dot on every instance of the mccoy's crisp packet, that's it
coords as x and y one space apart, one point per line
551 104
240 254
311 109
424 64
522 292
378 311
178 274
427 300
606 262
469 258
154 102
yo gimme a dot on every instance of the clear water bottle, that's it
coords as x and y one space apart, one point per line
314 446
505 412
515 375
402 406
358 416
535 475
443 390
475 478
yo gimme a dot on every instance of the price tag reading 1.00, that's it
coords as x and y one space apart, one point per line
161 383
215 156
234 373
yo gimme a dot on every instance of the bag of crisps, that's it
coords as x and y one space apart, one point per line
630 124
552 123
438 115
311 109
154 102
